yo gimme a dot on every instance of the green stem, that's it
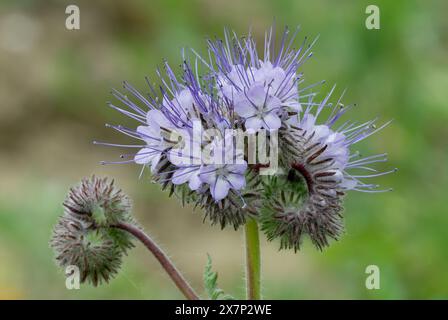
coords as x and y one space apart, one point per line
163 259
253 282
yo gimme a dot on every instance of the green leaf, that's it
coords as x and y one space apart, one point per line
210 283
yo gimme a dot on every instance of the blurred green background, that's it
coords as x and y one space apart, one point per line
54 85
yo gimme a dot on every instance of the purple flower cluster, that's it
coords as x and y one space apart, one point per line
241 90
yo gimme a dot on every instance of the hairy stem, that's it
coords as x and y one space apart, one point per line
166 263
253 282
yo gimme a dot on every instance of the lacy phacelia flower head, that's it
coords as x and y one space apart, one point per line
187 142
197 118
84 236
317 156
262 88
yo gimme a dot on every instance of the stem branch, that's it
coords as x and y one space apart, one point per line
253 282
166 263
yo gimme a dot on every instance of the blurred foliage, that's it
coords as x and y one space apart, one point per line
54 84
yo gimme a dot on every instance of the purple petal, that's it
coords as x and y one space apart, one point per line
155 161
219 189
144 156
149 134
185 100
182 175
236 181
272 121
156 118
269 74
273 103
244 108
195 182
254 123
207 174
257 94
237 168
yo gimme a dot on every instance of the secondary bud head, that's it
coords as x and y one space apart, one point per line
95 253
97 201
85 235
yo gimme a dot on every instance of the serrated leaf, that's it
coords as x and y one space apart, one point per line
211 285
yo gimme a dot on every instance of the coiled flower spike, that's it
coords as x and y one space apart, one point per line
96 230
319 171
95 253
83 236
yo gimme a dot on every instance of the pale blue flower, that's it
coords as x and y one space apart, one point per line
258 108
223 177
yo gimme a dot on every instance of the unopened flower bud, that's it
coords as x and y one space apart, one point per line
85 235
